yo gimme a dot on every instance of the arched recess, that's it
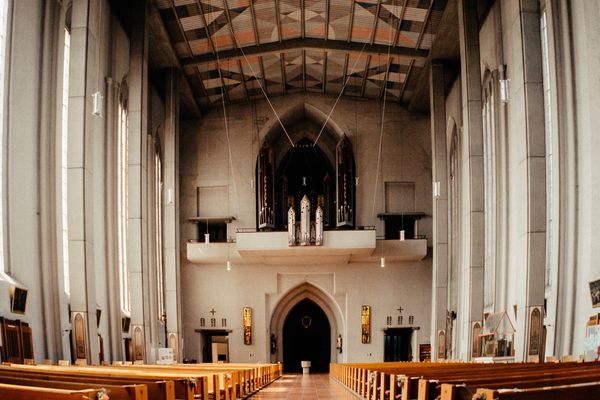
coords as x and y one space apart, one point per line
333 150
324 300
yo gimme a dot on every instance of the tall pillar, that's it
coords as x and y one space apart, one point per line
137 193
439 303
171 213
472 157
81 130
113 315
48 231
532 293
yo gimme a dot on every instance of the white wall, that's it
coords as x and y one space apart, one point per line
204 162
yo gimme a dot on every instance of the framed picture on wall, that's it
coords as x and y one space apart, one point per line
366 324
247 325
595 293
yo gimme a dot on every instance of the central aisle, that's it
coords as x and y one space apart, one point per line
306 387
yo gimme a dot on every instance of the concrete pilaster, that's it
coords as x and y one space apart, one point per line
137 193
171 213
439 293
472 155
81 131
112 263
532 293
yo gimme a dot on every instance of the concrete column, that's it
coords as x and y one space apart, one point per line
113 314
171 213
83 70
472 159
439 293
50 290
137 222
532 293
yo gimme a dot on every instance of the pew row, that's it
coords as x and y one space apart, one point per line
457 381
172 382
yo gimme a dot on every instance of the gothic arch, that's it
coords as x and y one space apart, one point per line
324 300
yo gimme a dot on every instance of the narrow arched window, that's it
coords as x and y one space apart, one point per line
122 159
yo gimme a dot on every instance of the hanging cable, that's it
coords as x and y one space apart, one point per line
340 94
266 96
230 172
381 130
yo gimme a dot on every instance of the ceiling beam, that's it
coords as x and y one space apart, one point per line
405 83
231 31
254 24
375 22
323 86
306 44
345 76
283 75
278 20
302 24
385 78
239 62
351 23
174 9
327 19
426 20
304 70
189 102
214 48
262 72
364 82
400 19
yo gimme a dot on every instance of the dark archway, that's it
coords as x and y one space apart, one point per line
306 336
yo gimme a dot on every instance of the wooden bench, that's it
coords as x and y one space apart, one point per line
116 392
452 381
562 392
16 392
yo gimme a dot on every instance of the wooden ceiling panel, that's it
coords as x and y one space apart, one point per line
301 45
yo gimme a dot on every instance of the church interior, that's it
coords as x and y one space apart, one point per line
288 186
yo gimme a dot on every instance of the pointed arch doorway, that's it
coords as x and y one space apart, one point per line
306 336
322 304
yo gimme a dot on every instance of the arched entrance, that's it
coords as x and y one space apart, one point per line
306 336
286 301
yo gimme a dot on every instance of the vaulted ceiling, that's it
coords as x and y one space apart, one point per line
231 48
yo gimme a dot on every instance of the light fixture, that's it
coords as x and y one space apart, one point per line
382 262
98 104
504 93
228 265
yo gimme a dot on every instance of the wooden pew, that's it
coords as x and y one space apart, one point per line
409 380
159 387
562 392
116 392
16 392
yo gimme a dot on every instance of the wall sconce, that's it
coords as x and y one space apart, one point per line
504 96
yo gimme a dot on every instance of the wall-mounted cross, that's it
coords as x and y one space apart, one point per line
400 309
213 312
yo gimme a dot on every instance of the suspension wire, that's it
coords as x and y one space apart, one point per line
231 172
339 95
381 130
266 96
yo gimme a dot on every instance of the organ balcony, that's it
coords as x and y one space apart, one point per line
339 247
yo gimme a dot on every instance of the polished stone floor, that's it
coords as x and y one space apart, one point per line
306 387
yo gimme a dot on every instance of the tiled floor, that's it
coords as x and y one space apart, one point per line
304 387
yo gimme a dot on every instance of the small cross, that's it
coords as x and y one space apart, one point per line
212 311
400 309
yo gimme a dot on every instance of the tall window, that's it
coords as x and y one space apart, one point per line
3 42
122 199
551 209
489 178
64 164
158 186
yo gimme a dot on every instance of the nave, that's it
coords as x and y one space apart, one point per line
304 386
